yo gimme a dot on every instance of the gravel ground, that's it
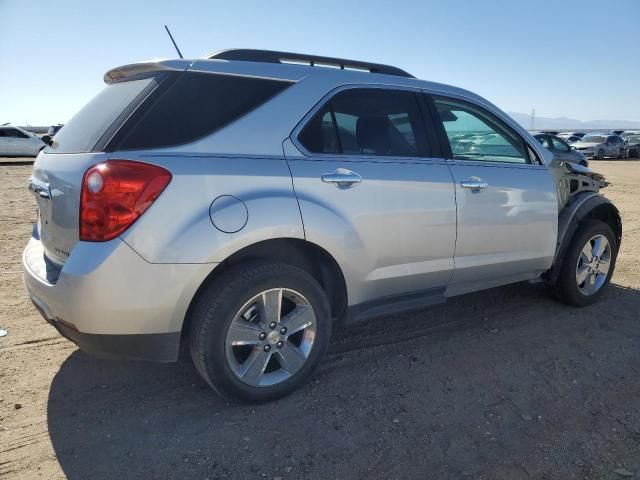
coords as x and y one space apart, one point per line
518 386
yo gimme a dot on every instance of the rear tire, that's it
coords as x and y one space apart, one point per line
579 261
235 308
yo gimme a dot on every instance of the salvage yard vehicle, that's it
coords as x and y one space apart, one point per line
633 142
561 150
16 142
240 204
599 146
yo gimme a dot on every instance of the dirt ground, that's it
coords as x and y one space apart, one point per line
518 387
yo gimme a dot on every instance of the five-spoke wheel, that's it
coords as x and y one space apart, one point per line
593 264
587 264
270 337
259 330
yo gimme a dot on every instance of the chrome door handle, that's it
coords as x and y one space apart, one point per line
475 184
342 178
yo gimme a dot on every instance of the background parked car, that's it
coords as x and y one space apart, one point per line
629 133
598 145
15 141
561 150
633 149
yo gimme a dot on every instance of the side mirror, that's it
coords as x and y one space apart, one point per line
47 140
571 147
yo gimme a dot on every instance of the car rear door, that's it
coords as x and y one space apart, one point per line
373 192
507 208
18 142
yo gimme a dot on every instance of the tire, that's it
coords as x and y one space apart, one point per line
600 154
567 288
620 154
247 288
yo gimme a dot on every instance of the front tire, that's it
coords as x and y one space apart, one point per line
600 155
259 331
588 264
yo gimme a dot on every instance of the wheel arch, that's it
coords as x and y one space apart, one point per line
298 252
585 206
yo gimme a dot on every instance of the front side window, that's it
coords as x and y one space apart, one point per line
558 144
475 134
370 122
13 133
543 140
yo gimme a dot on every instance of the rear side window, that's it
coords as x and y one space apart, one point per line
82 132
371 122
195 105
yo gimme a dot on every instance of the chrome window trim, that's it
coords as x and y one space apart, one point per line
348 157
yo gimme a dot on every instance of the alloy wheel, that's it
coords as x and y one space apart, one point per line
593 265
270 337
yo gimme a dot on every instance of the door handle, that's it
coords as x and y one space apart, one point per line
475 184
342 178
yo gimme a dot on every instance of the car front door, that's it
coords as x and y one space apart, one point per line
507 207
374 193
3 143
610 147
18 143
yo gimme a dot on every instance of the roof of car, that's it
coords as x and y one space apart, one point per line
289 66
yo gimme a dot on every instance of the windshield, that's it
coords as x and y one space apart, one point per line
594 138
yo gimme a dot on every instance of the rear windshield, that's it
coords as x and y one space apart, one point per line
195 105
82 132
594 138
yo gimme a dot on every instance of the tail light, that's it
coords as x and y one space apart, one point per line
115 194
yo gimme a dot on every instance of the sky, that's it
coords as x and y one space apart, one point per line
577 59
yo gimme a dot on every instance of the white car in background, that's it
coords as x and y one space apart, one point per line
601 145
15 141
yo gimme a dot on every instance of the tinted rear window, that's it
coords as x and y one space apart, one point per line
87 126
193 106
370 122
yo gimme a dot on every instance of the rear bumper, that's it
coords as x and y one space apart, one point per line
155 347
111 302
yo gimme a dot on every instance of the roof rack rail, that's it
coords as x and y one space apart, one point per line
270 56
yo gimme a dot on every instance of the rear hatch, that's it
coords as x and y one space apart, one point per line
58 171
144 107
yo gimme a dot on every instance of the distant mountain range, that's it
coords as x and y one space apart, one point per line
564 123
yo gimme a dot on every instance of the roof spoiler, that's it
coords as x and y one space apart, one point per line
120 73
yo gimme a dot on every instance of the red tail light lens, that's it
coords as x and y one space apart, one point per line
115 194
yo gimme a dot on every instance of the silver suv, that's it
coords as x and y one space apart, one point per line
239 205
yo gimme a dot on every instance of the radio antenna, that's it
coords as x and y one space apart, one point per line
173 41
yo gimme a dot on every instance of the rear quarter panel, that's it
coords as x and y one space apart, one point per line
177 228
